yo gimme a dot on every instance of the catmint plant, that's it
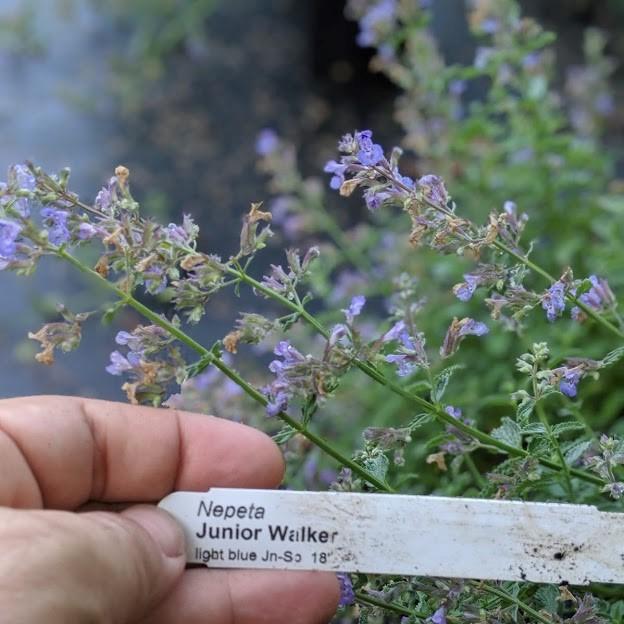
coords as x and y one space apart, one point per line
464 339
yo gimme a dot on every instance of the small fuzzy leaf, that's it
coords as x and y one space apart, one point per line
613 356
525 409
567 425
547 597
440 382
378 466
574 450
509 432
284 434
419 421
533 429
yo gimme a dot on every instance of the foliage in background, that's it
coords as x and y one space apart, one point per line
500 229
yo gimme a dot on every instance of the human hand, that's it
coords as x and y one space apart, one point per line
59 453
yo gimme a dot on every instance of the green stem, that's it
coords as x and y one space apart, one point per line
388 606
501 593
537 269
439 413
539 408
474 471
255 394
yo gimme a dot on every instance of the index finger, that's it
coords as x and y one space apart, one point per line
61 452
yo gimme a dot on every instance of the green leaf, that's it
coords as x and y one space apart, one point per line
573 451
533 429
547 597
377 465
284 434
420 420
111 312
440 382
567 425
524 410
613 356
509 432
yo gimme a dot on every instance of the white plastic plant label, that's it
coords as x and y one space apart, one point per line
397 534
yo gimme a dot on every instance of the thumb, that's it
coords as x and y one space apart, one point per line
62 567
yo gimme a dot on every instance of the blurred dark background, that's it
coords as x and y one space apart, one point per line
177 91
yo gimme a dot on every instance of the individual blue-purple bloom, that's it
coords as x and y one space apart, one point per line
473 328
369 153
355 308
55 221
386 52
457 331
604 104
465 290
598 297
553 301
455 412
176 234
531 60
86 231
278 403
267 142
9 232
106 196
383 12
569 382
482 57
375 197
120 364
126 339
394 332
432 187
347 595
411 353
337 170
490 25
23 177
155 279
457 87
439 617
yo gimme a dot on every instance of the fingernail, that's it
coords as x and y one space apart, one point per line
161 526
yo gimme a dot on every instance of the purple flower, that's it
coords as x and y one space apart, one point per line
155 279
598 297
23 177
383 12
457 87
569 381
347 595
457 331
432 187
465 290
455 412
9 231
375 196
267 142
55 221
338 171
355 308
106 196
410 354
482 57
439 617
553 300
369 153
119 364
283 387
86 231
